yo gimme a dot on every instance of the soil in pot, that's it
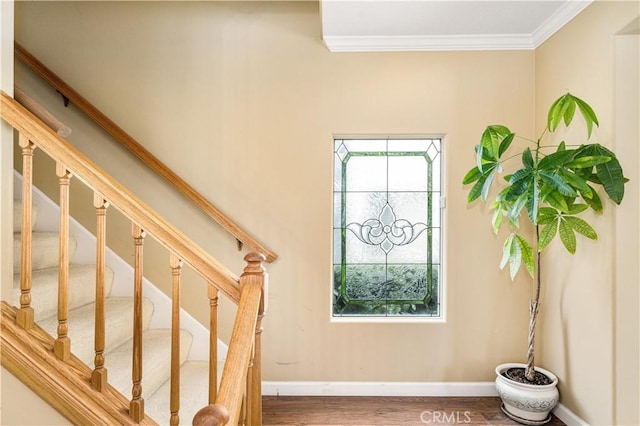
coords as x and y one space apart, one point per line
517 375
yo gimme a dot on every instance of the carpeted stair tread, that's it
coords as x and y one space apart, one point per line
156 361
118 325
17 216
44 293
45 253
194 386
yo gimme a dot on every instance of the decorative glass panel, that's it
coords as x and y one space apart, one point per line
387 227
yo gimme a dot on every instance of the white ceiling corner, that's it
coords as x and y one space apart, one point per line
428 25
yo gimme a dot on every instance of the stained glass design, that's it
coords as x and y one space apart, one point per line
386 219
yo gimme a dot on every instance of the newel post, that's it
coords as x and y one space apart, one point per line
255 274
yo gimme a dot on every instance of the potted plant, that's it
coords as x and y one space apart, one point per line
549 187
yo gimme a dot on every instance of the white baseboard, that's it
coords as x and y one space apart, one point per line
567 416
379 388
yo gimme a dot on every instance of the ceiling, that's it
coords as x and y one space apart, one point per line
419 25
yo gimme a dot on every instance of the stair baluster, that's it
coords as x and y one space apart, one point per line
24 316
174 404
99 374
213 342
136 406
62 345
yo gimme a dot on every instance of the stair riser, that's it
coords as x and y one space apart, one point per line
156 361
118 326
17 217
44 293
45 251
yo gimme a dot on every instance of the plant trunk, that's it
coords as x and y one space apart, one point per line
533 315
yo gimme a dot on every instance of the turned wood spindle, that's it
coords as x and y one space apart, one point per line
62 345
24 315
99 374
136 406
212 292
176 271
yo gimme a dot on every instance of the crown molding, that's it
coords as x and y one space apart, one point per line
427 43
559 19
369 43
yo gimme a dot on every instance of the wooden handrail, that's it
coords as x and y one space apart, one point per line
119 197
40 112
141 152
234 374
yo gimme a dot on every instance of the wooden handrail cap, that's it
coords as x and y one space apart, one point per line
211 415
254 264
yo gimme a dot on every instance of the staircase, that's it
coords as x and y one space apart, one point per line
49 365
119 319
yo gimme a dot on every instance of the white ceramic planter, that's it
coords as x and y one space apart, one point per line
525 403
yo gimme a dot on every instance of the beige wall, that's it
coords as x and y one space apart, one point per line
241 91
579 314
242 100
6 151
627 290
21 406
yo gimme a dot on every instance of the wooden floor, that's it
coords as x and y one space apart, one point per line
369 411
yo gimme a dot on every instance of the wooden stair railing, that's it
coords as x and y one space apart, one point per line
239 395
142 153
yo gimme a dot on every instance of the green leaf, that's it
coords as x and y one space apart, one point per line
476 190
567 236
556 159
533 201
556 112
548 233
610 174
519 175
577 182
471 176
491 138
568 113
504 145
516 208
527 158
577 208
564 108
588 114
555 181
486 187
496 220
556 200
518 188
588 161
506 250
515 259
479 154
547 215
594 201
581 227
527 254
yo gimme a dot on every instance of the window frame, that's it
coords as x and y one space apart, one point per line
442 287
